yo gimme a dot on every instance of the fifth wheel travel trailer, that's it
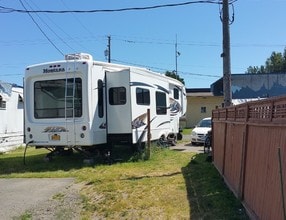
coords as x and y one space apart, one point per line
81 103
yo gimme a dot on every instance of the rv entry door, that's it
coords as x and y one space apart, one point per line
118 103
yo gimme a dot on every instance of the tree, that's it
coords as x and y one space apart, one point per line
276 63
175 76
256 69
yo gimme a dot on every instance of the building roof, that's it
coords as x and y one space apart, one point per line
5 90
245 86
195 92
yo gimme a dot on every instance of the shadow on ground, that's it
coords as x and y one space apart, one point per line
208 196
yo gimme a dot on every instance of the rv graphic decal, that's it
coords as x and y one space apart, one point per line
54 70
165 122
55 129
144 131
140 84
162 89
175 107
139 121
103 125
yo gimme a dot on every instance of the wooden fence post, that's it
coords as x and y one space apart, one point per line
148 134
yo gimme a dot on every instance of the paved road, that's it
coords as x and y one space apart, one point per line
20 194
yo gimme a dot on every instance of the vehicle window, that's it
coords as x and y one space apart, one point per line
176 93
205 123
142 96
100 98
161 103
117 96
61 98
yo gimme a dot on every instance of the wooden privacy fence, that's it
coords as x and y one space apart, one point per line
249 150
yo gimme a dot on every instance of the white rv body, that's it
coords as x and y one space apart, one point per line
81 102
11 116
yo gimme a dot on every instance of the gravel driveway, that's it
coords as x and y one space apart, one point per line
186 146
42 198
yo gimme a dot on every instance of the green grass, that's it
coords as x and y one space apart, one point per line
187 131
171 185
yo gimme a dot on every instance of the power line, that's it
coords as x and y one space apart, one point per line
79 21
164 70
54 32
10 10
41 30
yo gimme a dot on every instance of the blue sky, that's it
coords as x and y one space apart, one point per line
145 37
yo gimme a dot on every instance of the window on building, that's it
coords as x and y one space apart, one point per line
142 96
2 103
203 109
117 96
20 98
161 103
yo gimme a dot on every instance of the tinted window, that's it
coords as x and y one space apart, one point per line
100 98
2 103
142 96
58 98
205 123
161 103
117 96
176 93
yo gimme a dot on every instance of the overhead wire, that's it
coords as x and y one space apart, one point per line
164 70
232 17
54 32
10 10
42 31
81 24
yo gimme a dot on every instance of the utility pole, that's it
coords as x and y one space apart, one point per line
226 55
107 52
108 48
176 56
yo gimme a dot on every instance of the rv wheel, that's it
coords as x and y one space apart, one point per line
162 142
179 136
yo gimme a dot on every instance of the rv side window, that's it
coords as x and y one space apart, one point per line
100 98
142 96
117 96
161 103
61 98
176 93
2 103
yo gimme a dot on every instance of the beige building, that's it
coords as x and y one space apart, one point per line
201 102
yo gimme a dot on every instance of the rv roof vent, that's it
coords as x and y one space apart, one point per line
78 56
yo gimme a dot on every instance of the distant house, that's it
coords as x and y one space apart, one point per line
249 86
11 116
201 102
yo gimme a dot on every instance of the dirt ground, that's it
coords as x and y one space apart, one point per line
42 198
